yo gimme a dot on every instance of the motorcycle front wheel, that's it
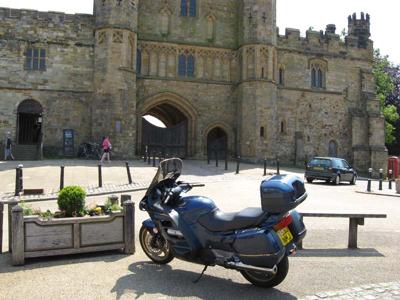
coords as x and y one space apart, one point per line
266 280
155 246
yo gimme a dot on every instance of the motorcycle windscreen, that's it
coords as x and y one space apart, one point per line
168 169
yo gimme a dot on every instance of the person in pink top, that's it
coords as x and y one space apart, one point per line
106 149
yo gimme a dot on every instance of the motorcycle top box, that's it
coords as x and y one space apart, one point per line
282 193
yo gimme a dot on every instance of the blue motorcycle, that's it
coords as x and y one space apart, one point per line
254 241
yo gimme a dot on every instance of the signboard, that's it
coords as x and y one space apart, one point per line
68 142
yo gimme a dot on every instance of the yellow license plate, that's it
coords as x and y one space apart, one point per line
285 235
318 168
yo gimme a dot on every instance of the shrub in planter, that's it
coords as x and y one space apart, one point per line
71 200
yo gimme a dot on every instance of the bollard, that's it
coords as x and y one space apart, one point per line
148 158
226 161
100 176
265 167
125 198
216 158
369 179
380 179
145 156
62 178
1 227
208 157
237 164
154 159
17 182
390 179
305 162
128 171
277 167
21 178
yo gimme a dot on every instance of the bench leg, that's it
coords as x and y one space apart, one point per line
354 222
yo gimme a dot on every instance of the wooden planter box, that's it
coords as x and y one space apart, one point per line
34 237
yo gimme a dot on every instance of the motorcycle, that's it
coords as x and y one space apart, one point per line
254 241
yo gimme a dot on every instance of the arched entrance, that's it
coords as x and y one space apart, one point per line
29 122
217 143
170 140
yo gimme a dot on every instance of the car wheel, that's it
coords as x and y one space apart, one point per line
309 180
337 180
354 180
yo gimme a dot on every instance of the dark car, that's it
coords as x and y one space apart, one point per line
330 169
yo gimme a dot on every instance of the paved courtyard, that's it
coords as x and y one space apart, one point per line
326 269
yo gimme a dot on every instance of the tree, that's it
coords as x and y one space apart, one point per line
387 89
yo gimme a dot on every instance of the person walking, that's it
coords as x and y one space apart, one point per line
106 149
8 148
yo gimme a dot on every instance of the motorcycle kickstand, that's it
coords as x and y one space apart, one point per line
201 275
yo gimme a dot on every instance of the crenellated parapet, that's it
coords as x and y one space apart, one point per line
48 27
356 44
121 14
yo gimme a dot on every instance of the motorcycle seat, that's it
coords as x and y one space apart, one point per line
218 221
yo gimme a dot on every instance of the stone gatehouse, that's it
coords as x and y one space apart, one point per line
217 73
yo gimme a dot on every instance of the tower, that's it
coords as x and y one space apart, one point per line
257 91
360 29
114 97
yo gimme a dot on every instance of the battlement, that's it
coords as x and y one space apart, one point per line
116 13
360 28
52 17
356 43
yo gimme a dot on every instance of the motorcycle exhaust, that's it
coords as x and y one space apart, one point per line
241 266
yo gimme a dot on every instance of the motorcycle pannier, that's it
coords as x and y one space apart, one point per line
282 193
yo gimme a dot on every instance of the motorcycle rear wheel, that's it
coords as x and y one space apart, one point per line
265 280
155 246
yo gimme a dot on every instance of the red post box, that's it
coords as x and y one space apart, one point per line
394 165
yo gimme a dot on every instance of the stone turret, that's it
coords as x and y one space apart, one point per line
115 74
257 90
360 28
258 22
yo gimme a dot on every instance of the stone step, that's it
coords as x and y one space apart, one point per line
25 152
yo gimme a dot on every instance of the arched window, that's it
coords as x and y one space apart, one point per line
138 61
182 65
186 65
192 8
188 8
320 78
190 66
318 69
313 77
184 8
281 76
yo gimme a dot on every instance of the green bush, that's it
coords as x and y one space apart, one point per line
71 200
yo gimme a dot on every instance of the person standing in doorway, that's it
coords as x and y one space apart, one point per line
106 149
8 147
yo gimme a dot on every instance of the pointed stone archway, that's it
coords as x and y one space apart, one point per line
179 116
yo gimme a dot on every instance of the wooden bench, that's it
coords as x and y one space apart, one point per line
354 221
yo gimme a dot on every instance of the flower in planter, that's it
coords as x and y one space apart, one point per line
71 201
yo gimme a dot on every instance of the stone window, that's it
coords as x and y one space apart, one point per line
186 65
138 61
262 132
318 69
188 8
101 37
35 59
281 76
283 127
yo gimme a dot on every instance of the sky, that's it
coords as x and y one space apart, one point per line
300 14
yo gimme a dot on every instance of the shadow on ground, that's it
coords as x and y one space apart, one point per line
45 262
366 252
147 278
